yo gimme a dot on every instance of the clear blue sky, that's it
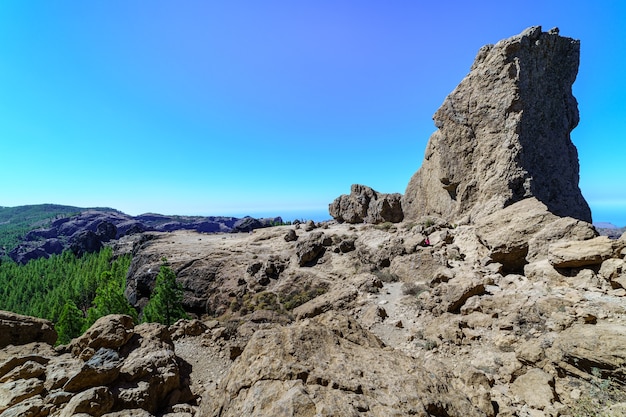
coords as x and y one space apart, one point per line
268 107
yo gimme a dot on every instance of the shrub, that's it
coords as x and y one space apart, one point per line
297 298
384 226
411 288
601 394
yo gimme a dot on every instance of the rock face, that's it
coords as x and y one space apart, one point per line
16 329
504 134
367 205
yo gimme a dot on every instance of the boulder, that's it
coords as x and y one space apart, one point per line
535 388
497 143
14 392
101 369
594 349
110 332
150 372
93 402
16 329
309 249
574 254
507 232
367 205
524 231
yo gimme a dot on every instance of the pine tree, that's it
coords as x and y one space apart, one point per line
165 305
109 299
70 323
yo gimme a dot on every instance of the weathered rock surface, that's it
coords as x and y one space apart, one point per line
576 254
599 349
330 366
114 366
497 142
364 204
16 329
524 231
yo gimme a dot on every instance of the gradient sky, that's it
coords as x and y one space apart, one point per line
268 107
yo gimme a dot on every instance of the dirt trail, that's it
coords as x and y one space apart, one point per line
397 329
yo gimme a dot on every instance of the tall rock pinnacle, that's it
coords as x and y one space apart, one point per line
504 134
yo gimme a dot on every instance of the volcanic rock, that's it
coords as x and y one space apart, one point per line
504 134
523 232
329 365
576 253
367 205
88 230
16 329
113 367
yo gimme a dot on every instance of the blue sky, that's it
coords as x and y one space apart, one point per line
268 107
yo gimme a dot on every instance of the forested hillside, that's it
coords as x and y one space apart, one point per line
16 221
71 291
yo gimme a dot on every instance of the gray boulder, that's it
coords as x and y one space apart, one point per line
367 205
504 134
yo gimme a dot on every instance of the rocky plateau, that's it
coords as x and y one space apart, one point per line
484 290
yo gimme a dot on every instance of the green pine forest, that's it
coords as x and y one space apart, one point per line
73 292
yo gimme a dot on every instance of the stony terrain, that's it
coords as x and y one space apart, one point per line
401 328
497 303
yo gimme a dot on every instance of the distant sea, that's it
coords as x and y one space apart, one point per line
600 214
608 214
317 215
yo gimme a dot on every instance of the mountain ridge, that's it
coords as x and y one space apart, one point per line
34 231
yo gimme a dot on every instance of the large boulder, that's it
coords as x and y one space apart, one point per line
576 254
524 231
364 204
16 329
504 134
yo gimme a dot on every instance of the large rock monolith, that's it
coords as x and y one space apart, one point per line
504 134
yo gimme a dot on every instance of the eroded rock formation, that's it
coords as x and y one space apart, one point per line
364 204
504 134
115 367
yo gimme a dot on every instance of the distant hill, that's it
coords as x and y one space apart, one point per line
609 229
35 231
15 222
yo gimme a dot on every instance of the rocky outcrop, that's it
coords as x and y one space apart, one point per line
364 204
114 367
16 329
418 318
504 134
